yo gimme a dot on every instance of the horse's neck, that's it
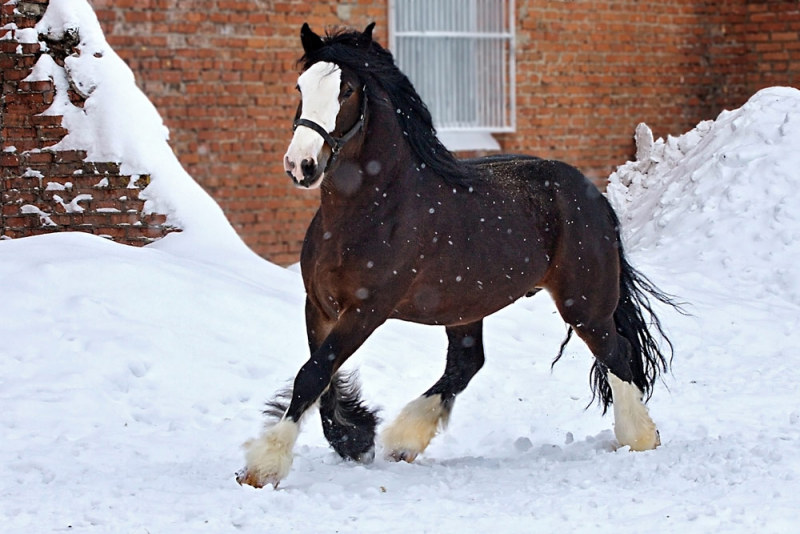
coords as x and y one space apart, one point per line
363 184
390 173
383 159
385 143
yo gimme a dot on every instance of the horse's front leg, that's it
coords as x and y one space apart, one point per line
348 424
268 458
419 421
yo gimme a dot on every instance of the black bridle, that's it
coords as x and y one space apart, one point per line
336 143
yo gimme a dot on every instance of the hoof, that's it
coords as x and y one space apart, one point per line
250 478
355 450
402 456
646 443
366 457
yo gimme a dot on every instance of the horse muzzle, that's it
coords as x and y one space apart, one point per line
307 174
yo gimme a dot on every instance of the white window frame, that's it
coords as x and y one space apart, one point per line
417 32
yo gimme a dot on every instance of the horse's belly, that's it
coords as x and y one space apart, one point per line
465 300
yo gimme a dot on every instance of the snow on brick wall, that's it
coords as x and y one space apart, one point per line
43 191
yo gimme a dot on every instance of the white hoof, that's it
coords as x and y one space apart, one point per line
268 458
633 426
412 430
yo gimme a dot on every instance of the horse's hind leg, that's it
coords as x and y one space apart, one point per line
348 425
618 374
412 430
619 378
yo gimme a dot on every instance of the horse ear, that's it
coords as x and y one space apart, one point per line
311 41
366 37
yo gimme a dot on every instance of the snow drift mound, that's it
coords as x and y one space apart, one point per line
721 199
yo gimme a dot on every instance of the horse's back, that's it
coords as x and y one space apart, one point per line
576 220
483 161
532 169
556 188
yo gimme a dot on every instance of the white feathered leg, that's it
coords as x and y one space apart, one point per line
632 423
268 458
414 428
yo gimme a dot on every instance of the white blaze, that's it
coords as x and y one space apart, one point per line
319 87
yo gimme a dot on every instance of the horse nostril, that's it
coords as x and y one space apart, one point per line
309 167
288 165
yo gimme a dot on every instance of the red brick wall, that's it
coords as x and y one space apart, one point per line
753 44
588 72
222 74
44 191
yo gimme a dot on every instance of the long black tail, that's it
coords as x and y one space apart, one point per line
637 322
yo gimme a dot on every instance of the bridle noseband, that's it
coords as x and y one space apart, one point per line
337 143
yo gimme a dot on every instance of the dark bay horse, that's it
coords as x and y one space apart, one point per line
405 230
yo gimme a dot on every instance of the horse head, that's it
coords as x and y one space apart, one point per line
332 111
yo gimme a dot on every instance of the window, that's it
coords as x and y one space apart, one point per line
459 54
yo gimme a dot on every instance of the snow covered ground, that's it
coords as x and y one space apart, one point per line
130 377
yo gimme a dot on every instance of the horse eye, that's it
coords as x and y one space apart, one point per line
348 92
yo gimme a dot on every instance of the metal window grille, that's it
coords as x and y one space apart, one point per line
460 56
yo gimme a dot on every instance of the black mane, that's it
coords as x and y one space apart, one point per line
375 67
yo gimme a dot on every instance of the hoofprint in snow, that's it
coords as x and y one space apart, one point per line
130 377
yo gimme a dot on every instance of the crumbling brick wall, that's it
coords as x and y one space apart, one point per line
44 190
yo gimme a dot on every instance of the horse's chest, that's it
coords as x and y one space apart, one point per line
334 279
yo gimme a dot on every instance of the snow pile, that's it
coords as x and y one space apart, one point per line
21 35
118 123
721 198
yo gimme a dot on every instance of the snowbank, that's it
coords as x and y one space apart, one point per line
722 198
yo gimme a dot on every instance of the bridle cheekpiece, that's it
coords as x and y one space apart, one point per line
336 143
